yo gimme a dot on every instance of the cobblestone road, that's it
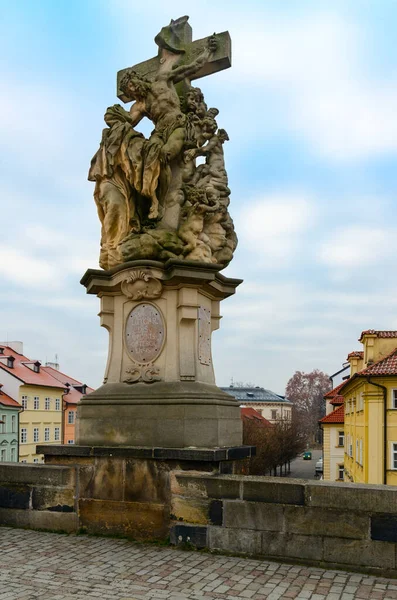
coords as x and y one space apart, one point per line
60 567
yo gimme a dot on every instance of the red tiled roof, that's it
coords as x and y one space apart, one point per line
73 396
337 400
337 416
253 415
22 372
379 334
335 391
6 400
355 354
385 366
64 379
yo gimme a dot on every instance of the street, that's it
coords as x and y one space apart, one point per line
304 469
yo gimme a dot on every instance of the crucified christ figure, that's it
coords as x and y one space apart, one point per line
158 100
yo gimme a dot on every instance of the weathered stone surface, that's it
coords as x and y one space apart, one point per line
55 499
253 515
31 474
146 481
271 489
235 540
326 521
289 545
359 553
103 480
39 519
195 511
225 487
138 520
62 449
360 497
163 415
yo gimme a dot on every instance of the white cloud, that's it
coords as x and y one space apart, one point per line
26 270
271 226
315 67
358 246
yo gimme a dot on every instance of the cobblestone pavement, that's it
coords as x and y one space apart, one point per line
50 566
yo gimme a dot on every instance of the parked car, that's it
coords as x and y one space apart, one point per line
307 455
318 469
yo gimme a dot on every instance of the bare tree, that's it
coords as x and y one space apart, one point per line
276 445
242 384
306 391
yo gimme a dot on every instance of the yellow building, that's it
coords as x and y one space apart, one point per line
333 436
370 401
40 395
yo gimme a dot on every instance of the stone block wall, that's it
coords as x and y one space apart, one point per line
328 524
38 497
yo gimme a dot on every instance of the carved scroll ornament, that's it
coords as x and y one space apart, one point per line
141 285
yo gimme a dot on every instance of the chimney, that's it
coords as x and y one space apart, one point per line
16 346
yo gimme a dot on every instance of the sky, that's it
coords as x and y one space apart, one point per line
310 106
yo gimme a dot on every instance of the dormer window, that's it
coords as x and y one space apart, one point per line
1 350
36 367
10 362
81 388
250 394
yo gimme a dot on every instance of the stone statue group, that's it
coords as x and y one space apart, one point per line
153 200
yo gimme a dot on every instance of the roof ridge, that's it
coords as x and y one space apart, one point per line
378 362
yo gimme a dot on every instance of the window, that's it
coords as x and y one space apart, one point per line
13 424
47 403
36 434
13 455
46 434
56 434
350 447
3 457
57 404
24 435
70 441
341 472
357 452
394 398
341 438
394 456
274 415
36 403
361 452
36 460
71 417
3 424
24 402
361 401
24 461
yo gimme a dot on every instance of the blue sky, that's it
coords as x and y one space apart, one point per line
310 108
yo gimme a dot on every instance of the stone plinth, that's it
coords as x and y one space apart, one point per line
159 387
128 491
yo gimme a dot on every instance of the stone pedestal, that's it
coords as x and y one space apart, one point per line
159 387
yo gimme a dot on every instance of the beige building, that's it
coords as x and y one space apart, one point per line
271 406
333 436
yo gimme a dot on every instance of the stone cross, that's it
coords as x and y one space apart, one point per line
177 38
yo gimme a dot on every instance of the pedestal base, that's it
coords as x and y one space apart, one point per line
159 386
177 415
131 491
